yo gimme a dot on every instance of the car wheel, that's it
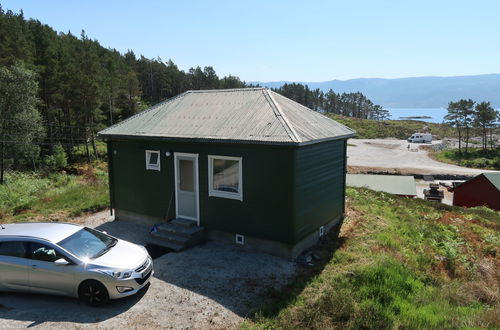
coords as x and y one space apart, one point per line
93 293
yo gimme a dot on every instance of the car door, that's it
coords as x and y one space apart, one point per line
45 275
14 265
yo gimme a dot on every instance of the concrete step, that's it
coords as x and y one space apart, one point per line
171 237
178 234
184 222
168 245
180 230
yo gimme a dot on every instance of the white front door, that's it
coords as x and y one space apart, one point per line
186 186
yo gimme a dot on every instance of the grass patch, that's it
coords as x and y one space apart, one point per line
56 197
400 129
475 158
398 263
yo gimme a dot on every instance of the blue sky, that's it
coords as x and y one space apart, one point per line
292 40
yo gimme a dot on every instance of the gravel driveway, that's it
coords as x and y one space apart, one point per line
212 285
394 154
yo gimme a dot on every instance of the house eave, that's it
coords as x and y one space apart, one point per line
219 140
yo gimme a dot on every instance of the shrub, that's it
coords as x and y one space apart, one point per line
58 160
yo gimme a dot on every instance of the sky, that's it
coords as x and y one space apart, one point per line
276 40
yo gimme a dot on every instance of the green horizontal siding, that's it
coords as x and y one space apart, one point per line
319 186
266 210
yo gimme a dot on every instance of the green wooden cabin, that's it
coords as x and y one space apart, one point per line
249 165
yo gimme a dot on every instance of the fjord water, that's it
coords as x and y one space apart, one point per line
436 114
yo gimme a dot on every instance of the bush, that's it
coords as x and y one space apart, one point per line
477 163
58 160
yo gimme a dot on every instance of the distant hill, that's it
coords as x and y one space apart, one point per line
418 92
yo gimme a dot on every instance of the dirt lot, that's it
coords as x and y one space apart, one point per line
394 155
212 285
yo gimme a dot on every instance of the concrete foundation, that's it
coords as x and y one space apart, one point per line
283 250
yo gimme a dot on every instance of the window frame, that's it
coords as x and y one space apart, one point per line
225 194
148 165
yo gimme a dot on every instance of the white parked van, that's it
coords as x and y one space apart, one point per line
420 138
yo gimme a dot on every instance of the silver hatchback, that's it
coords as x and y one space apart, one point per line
67 259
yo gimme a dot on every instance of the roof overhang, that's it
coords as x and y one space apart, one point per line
218 140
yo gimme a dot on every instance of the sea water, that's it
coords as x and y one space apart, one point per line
436 114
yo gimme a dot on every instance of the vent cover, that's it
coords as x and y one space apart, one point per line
240 239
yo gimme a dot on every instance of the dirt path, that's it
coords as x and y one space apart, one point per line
394 155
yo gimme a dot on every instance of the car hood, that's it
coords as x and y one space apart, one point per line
124 255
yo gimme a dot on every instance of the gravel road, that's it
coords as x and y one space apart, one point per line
392 154
212 285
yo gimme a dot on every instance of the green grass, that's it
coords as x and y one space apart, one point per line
475 158
401 129
398 263
58 196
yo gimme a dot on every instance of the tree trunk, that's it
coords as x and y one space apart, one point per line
466 139
485 139
2 155
110 110
459 140
96 155
87 150
491 138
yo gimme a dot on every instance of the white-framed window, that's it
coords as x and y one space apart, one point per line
225 177
153 160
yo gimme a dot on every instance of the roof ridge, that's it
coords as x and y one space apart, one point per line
143 112
226 90
282 118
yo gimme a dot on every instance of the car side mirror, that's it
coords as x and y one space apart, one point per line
61 262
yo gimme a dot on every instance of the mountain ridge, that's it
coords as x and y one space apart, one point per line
413 92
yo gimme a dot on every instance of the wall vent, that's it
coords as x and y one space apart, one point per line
321 231
240 239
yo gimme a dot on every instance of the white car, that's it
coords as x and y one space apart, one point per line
67 259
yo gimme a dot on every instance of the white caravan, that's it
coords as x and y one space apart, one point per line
420 138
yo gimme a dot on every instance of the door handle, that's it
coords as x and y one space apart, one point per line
33 266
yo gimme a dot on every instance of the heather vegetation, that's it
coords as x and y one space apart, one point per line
475 157
398 263
400 129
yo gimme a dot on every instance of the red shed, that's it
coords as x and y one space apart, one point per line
482 190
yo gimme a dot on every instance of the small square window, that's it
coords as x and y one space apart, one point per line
225 177
153 160
240 239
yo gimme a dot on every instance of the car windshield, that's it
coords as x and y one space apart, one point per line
88 243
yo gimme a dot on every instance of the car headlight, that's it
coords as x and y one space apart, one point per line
120 275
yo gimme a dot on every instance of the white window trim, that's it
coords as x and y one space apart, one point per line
225 194
150 166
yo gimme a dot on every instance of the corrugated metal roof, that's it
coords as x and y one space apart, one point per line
393 184
494 178
238 115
